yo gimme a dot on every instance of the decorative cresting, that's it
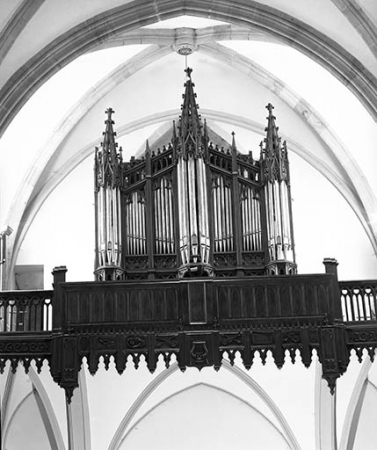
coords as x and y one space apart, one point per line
193 208
277 194
108 212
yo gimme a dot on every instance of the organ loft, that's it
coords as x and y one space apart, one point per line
196 207
195 262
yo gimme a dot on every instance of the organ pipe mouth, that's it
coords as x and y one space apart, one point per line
195 270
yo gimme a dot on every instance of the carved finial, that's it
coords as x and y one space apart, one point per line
109 112
270 108
205 130
147 149
188 70
233 139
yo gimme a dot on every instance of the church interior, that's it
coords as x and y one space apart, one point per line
64 65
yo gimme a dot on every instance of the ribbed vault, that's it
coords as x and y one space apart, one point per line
250 14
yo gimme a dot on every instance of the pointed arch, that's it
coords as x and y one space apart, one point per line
135 14
47 412
214 388
355 404
236 371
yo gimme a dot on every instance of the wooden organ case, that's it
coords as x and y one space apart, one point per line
193 208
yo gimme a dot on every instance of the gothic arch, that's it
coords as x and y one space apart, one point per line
97 30
237 372
215 390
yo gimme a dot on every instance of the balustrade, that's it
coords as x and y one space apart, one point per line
358 300
26 311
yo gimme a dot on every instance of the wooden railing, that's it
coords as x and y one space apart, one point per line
26 311
359 300
250 299
256 300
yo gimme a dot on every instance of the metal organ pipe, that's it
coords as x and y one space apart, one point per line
249 220
220 215
252 221
259 227
114 227
227 221
108 221
158 221
104 235
271 220
220 206
129 225
223 215
183 224
108 239
242 203
287 238
192 197
203 211
278 219
162 218
142 227
138 225
119 221
165 231
216 215
135 225
171 234
134 221
100 227
164 215
230 218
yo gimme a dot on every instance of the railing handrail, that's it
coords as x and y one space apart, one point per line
28 292
362 283
218 280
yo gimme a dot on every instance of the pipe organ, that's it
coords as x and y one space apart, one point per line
193 208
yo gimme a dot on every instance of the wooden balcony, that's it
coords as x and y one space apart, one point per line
198 320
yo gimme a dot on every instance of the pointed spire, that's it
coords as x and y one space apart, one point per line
234 147
174 132
272 139
190 123
109 145
205 131
261 150
147 149
108 159
274 156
